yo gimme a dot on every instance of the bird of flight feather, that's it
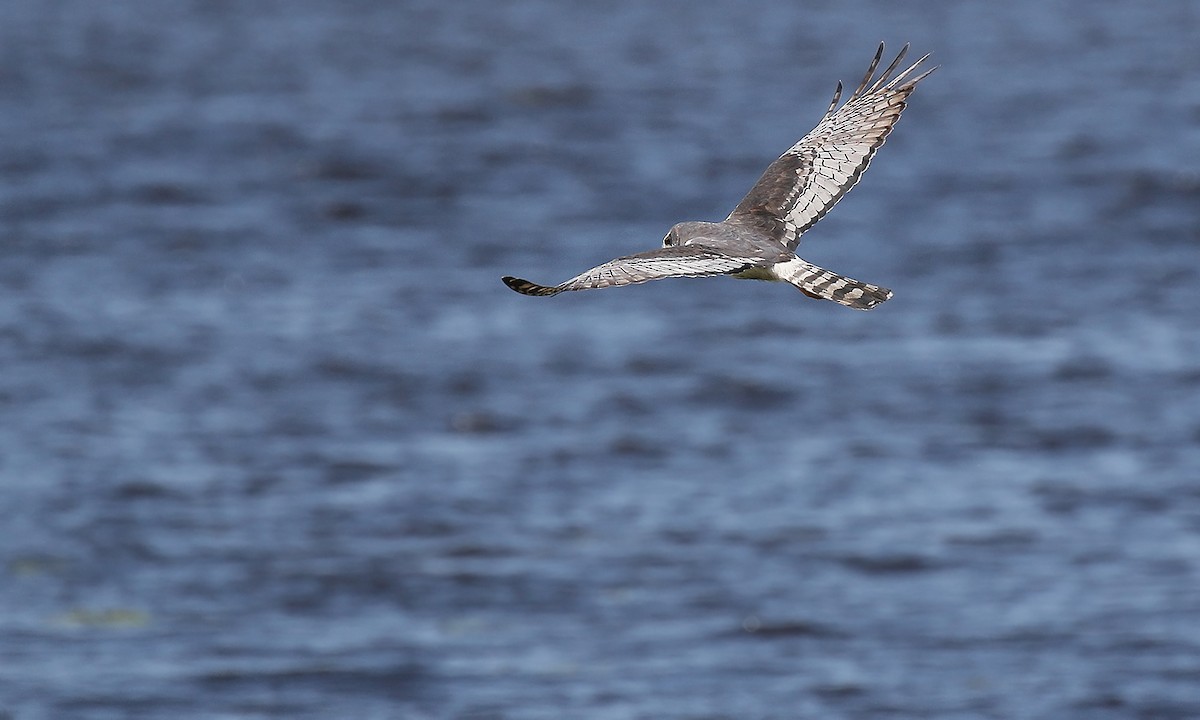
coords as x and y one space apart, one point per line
758 239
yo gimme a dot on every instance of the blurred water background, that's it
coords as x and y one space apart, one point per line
275 441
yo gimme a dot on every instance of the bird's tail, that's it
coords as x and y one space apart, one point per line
822 284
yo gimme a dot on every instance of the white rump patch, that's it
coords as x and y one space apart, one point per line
786 270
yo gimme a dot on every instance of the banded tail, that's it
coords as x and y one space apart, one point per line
822 284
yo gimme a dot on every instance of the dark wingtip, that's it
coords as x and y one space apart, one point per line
922 76
527 288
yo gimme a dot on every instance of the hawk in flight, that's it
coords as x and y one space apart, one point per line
758 238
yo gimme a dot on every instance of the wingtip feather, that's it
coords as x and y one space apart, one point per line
529 288
870 72
837 95
922 76
886 74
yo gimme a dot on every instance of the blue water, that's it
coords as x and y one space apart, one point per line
275 441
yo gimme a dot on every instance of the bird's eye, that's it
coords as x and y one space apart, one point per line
667 241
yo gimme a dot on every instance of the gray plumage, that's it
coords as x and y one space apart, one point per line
758 238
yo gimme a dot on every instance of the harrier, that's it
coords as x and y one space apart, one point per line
758 239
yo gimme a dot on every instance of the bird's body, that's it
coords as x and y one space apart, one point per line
758 239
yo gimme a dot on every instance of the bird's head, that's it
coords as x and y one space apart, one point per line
687 233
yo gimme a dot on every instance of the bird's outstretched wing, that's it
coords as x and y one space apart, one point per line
799 188
674 261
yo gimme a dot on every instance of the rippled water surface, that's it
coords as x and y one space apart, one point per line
275 442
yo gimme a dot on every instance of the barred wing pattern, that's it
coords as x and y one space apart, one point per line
806 181
675 261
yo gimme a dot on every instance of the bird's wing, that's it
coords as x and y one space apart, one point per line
674 261
799 188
